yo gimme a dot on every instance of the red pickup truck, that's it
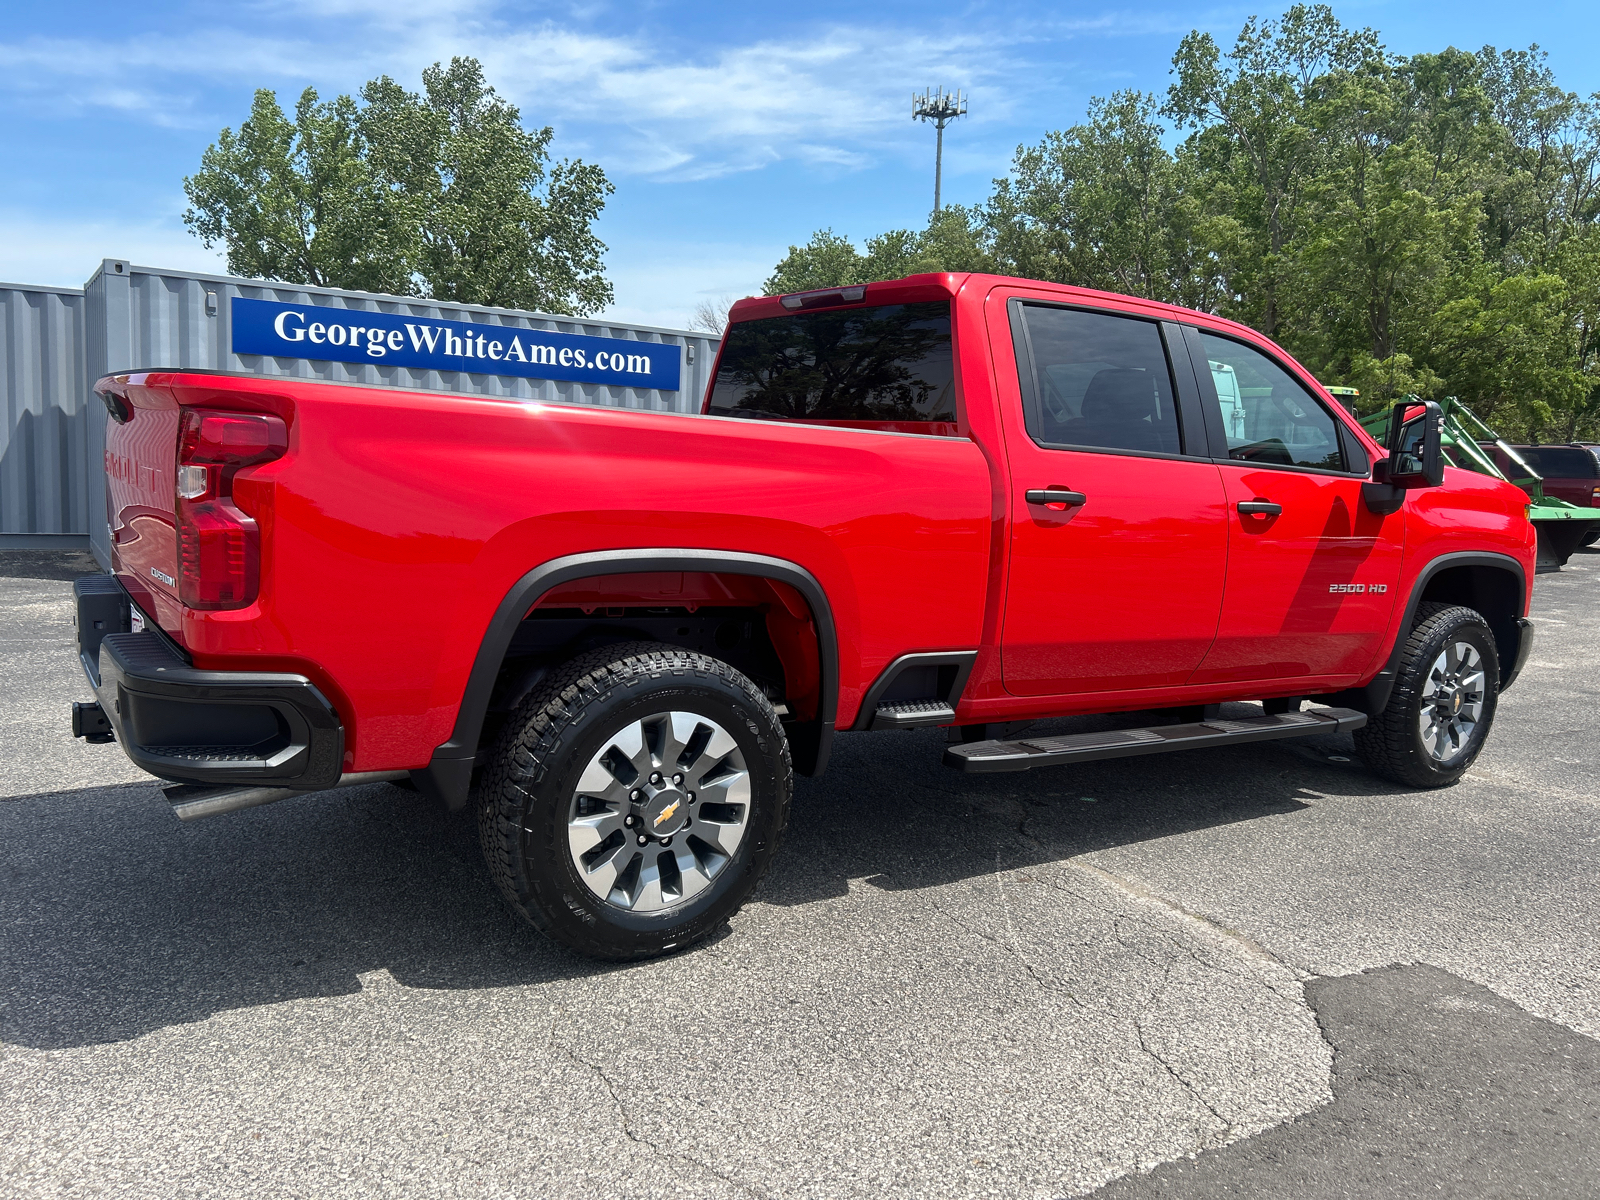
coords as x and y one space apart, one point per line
947 500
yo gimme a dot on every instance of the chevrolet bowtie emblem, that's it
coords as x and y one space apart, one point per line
666 813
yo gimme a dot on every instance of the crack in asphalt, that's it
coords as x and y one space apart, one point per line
1440 1086
1011 927
1246 947
1193 1090
639 1139
1014 949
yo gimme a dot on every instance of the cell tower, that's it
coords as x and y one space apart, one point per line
940 107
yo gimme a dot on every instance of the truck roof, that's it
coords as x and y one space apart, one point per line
951 284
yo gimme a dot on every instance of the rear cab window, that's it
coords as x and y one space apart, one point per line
887 367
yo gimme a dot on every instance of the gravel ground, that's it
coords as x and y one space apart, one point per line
1261 967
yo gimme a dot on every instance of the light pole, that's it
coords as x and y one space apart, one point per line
940 107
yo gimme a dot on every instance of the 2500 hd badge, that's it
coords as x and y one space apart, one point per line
1357 588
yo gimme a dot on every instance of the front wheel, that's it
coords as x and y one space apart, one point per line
1443 701
635 799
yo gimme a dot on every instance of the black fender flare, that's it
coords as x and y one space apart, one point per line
1376 692
448 775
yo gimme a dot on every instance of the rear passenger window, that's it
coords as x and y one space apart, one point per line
1099 381
1267 415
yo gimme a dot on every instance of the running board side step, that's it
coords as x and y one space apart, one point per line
191 801
912 714
1024 755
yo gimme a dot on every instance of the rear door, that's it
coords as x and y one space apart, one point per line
1311 570
1120 590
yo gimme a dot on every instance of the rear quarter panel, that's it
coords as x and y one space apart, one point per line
400 521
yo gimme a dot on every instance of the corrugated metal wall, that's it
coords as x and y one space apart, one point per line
59 341
44 391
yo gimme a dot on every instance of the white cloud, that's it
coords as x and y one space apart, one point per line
71 75
386 14
64 252
839 96
836 96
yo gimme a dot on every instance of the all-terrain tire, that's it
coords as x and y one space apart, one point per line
1392 742
528 794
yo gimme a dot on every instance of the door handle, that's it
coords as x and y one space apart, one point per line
1056 496
1259 508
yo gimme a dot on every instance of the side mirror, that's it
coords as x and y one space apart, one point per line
1416 452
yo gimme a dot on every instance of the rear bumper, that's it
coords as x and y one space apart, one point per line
194 726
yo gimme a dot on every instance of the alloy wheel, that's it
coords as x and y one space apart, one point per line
659 811
1452 701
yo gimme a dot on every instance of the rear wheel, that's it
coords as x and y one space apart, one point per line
635 799
1443 701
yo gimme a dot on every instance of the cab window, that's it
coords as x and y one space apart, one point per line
1267 415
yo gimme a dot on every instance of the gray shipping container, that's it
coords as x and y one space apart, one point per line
58 341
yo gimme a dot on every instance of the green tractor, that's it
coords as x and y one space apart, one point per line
1561 527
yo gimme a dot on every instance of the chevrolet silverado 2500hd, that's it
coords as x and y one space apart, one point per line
947 500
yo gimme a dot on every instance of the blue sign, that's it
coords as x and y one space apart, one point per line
425 343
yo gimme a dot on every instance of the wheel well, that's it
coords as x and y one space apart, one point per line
761 627
1492 591
794 608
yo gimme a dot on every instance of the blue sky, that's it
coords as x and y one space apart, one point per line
729 130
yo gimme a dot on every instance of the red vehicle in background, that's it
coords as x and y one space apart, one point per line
1568 472
949 500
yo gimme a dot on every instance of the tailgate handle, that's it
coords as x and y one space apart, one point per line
1055 496
1259 508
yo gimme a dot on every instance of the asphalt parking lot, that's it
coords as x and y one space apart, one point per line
1250 972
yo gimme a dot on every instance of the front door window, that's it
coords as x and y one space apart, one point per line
1268 416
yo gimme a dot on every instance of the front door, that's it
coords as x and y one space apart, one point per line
1312 571
1118 537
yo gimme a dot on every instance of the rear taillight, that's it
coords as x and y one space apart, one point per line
1594 498
219 546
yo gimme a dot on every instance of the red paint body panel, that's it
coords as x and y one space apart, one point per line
1120 593
1282 618
398 521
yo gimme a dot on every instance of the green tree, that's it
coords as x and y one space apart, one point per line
299 201
955 240
495 223
1105 205
1259 133
827 260
442 194
1393 212
1422 224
